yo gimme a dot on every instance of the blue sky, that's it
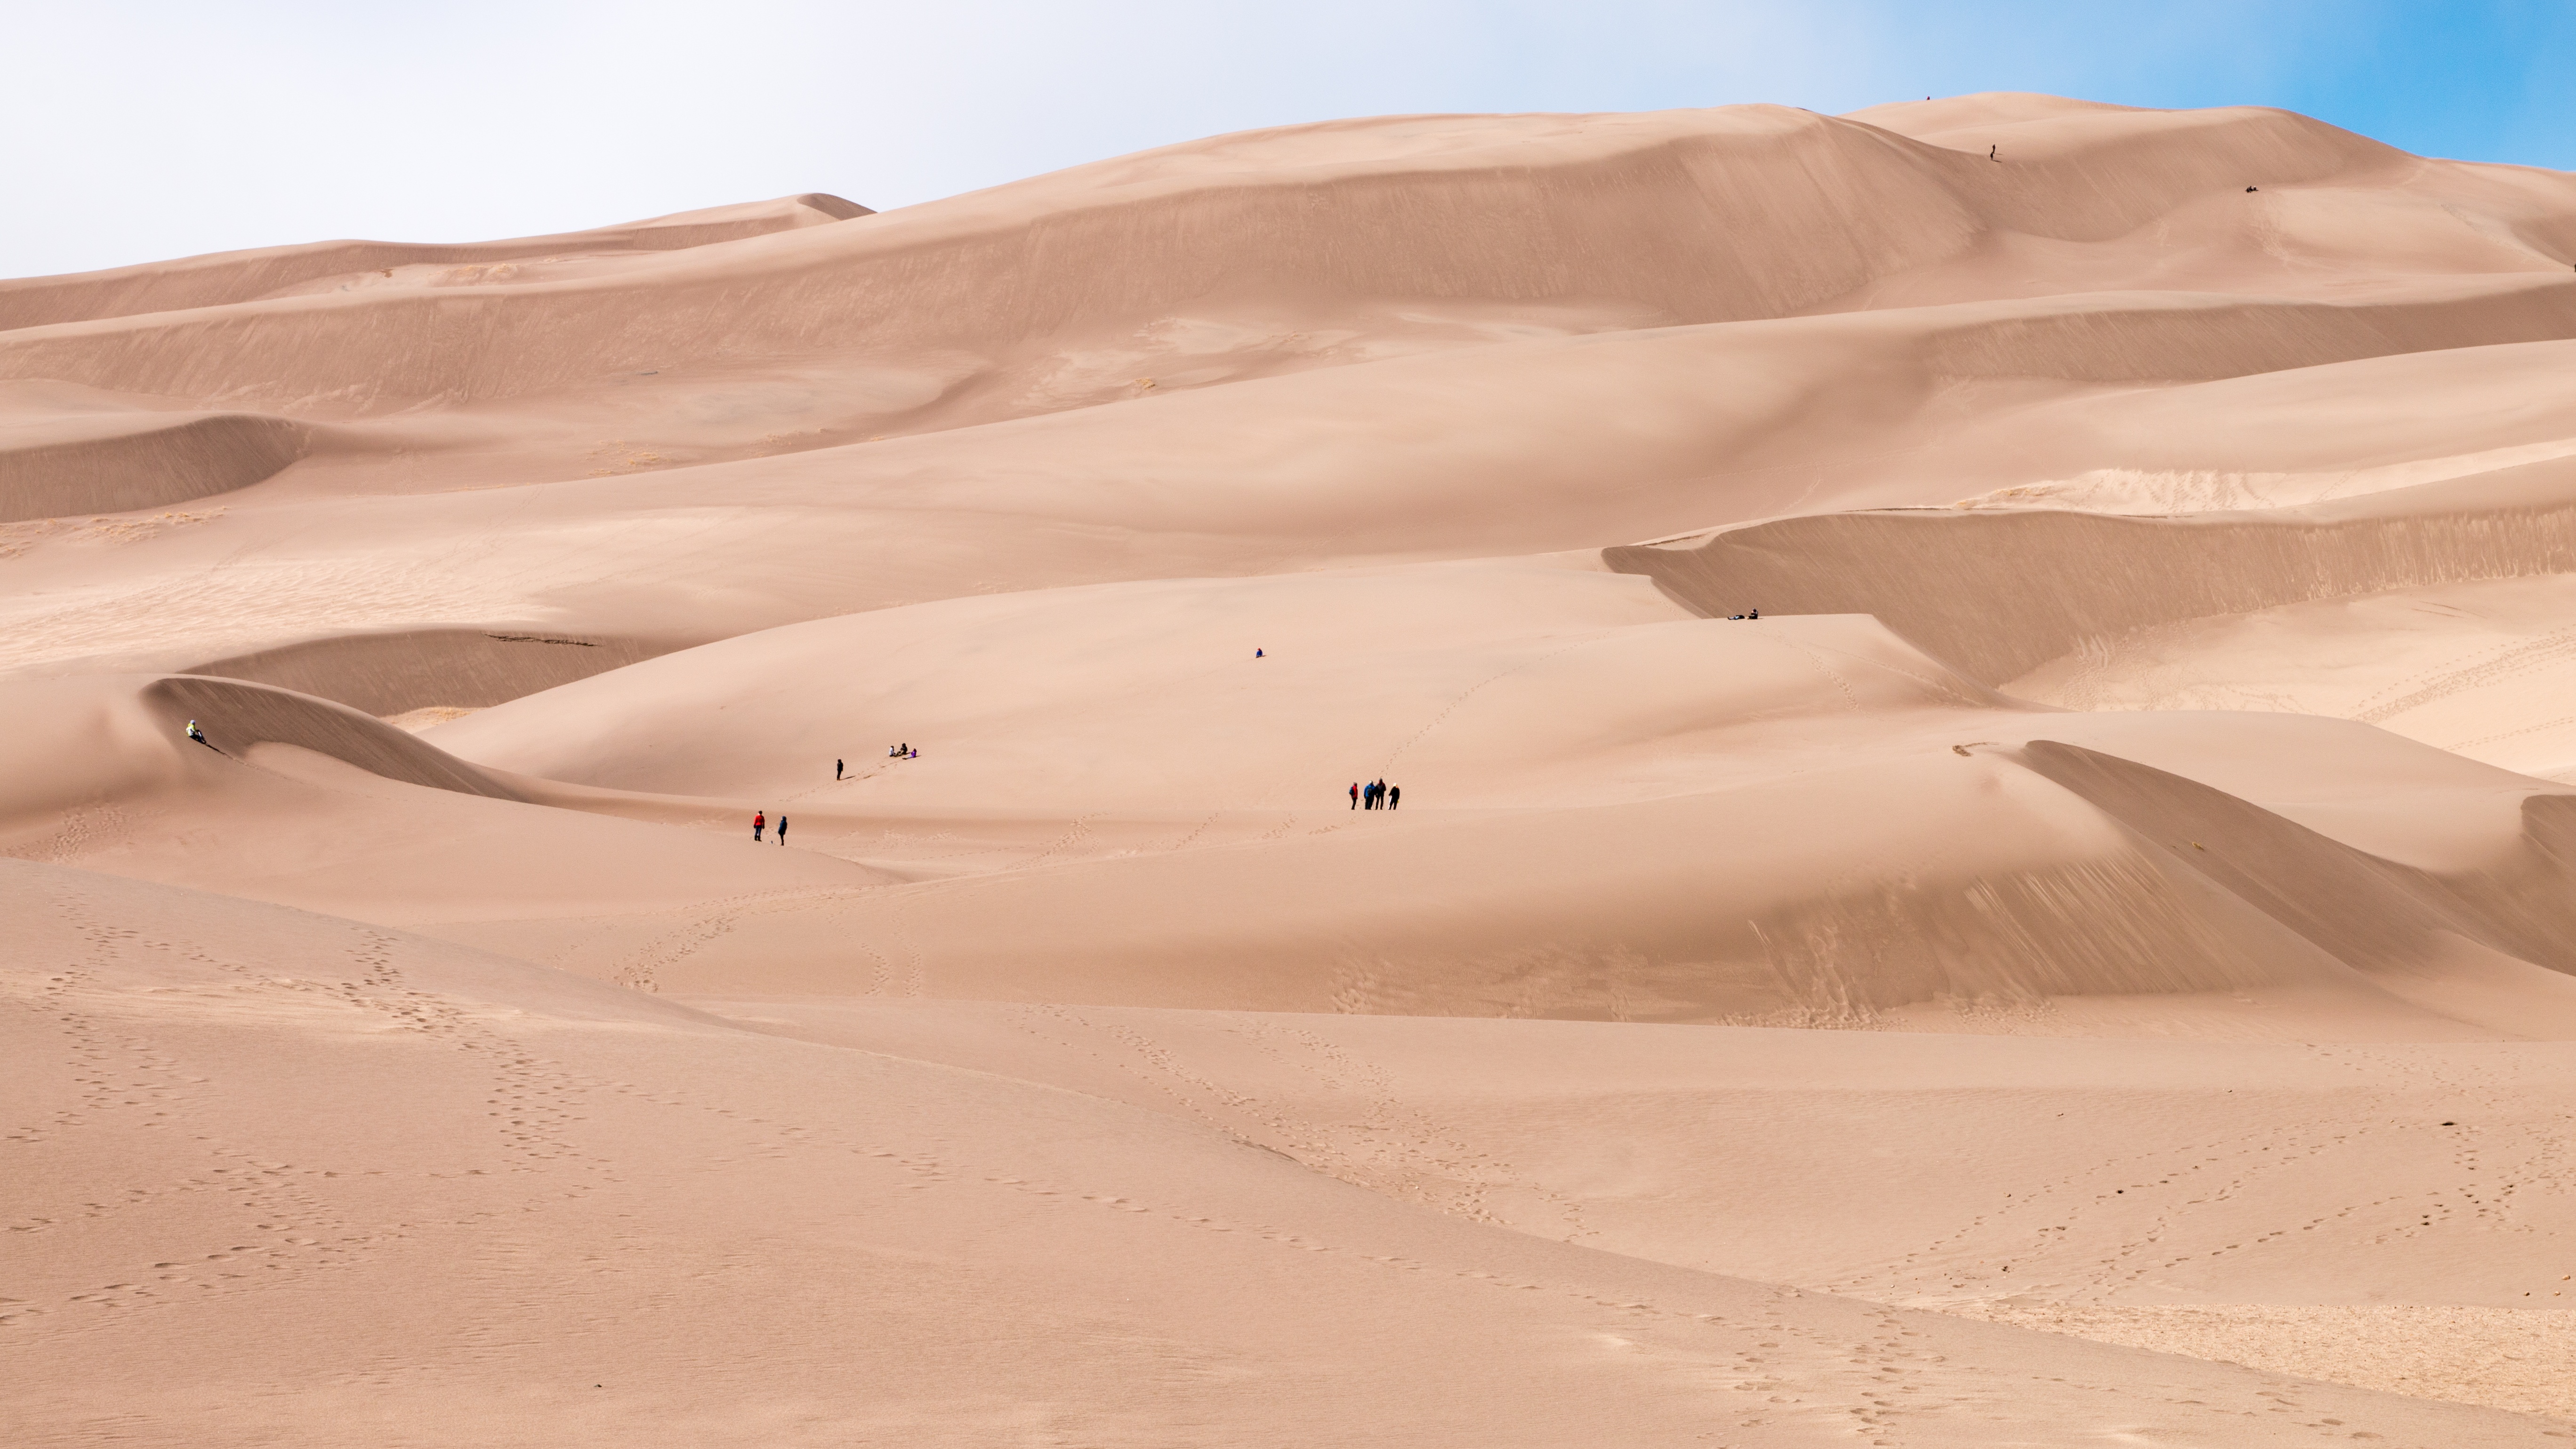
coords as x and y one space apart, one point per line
134 129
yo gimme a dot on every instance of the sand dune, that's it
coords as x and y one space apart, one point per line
230 277
1513 448
404 1138
2087 964
2060 578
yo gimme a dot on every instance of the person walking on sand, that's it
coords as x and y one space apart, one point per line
837 766
759 822
782 830
1394 797
1355 794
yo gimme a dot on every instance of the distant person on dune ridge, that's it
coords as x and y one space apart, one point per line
837 767
759 822
1394 797
782 830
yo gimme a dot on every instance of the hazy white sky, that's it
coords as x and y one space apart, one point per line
132 130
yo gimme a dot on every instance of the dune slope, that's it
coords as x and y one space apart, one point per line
788 845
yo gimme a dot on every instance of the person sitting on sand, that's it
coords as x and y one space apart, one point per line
195 733
759 822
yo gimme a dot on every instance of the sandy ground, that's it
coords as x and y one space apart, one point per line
2088 964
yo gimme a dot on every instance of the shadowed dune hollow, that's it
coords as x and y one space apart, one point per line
1985 846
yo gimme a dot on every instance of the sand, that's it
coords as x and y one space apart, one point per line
2088 964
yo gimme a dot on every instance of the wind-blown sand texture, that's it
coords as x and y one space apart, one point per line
2093 963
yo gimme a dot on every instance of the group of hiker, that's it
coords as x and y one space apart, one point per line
841 768
1376 795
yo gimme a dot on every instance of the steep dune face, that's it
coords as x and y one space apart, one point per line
246 716
2053 581
2159 526
396 673
120 463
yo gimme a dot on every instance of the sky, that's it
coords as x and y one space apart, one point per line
136 130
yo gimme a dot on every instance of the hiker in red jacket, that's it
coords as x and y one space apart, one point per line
759 822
